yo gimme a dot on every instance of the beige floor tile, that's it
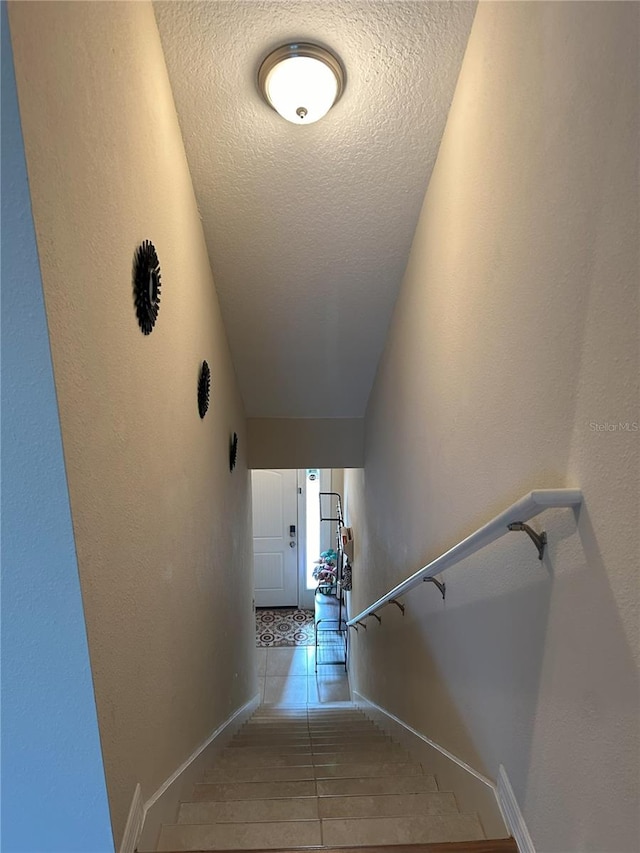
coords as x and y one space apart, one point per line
376 785
253 790
285 662
250 811
280 690
401 830
334 690
313 697
240 836
389 805
261 657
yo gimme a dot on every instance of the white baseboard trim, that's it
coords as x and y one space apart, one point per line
167 797
512 814
501 790
133 827
249 706
362 700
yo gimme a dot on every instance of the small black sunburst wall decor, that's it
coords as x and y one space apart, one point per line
146 285
204 388
233 451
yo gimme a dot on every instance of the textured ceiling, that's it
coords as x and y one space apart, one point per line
309 228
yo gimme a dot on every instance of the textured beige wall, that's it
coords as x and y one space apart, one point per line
517 329
162 527
305 442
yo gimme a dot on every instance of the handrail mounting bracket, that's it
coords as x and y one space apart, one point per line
441 586
397 604
538 539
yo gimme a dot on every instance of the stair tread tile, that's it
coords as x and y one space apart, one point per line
401 830
249 811
370 747
262 748
240 836
204 791
356 771
365 756
388 805
270 759
259 774
376 785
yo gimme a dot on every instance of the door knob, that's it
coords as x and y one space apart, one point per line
292 544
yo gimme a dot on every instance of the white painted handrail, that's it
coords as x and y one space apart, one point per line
526 508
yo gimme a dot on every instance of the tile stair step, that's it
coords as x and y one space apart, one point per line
368 755
267 809
266 746
270 759
342 731
335 832
335 713
268 731
238 752
237 773
299 740
275 724
233 758
332 724
491 845
388 805
240 836
270 743
249 811
363 726
252 790
356 771
332 718
359 745
401 830
373 785
259 774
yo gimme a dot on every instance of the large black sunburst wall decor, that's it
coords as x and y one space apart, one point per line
146 285
233 451
204 388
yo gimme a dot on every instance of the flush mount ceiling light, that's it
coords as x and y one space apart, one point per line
301 81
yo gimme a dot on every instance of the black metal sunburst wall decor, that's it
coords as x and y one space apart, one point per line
233 451
146 285
204 388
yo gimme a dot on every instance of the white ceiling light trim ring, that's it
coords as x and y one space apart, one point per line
301 81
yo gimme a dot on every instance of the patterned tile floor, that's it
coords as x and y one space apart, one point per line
284 626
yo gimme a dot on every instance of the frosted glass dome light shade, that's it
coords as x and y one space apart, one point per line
301 82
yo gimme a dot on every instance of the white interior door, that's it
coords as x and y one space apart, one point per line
275 537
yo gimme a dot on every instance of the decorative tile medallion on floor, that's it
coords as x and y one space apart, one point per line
284 626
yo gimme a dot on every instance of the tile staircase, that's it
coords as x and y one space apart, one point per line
319 777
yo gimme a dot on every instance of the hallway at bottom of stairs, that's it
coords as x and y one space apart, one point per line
317 777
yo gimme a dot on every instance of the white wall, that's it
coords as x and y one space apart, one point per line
162 528
516 331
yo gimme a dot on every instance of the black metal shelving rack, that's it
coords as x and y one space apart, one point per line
330 615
